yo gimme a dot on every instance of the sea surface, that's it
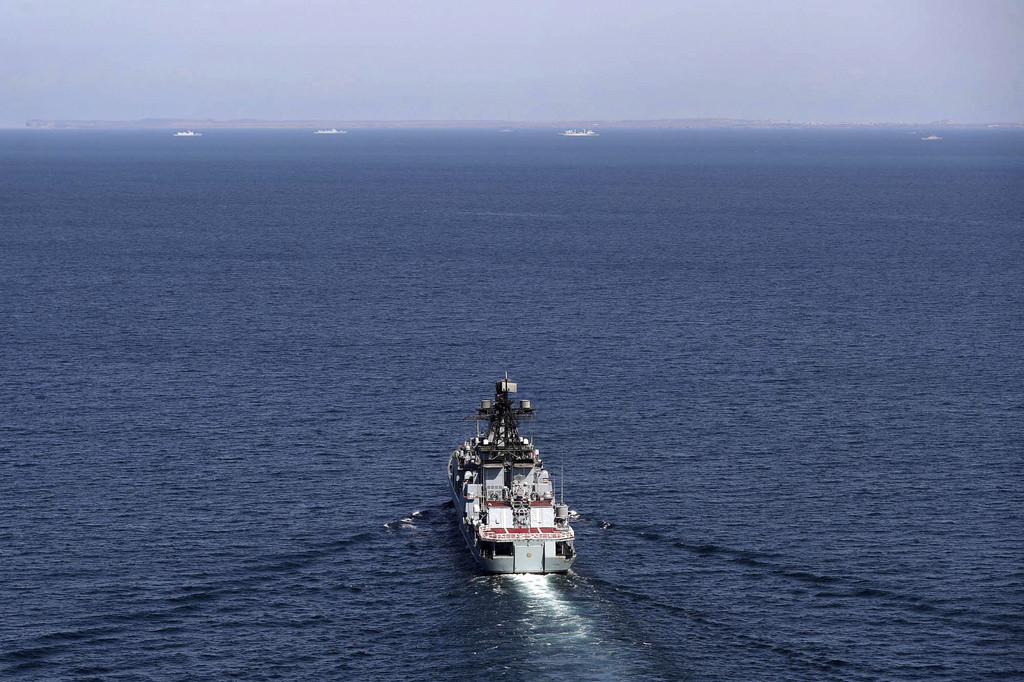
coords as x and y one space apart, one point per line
783 373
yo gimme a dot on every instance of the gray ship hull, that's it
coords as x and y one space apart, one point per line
528 555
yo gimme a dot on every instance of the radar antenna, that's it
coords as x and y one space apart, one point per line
503 441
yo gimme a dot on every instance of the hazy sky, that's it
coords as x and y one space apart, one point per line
910 60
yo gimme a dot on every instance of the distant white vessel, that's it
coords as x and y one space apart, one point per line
932 137
329 131
584 132
187 133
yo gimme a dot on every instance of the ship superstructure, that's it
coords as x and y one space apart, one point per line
504 498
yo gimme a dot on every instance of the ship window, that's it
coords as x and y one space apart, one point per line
503 549
494 476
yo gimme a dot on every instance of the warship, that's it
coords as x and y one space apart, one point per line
504 499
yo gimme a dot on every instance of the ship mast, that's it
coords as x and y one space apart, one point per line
503 441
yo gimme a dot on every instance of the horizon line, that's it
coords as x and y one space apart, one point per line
380 124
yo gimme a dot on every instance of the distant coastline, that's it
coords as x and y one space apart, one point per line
631 124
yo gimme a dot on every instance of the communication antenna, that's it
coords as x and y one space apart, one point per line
561 480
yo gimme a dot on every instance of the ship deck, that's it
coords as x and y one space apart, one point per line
507 534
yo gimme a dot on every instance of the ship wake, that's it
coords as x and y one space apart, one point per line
549 607
557 629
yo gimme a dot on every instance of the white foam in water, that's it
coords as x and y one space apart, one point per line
545 601
560 631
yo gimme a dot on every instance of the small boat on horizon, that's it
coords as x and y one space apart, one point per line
329 131
583 132
931 137
187 133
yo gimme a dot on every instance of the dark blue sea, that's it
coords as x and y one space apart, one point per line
783 373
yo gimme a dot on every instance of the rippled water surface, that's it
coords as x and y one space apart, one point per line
782 371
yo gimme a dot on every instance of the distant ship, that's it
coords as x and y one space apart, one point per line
329 131
505 130
931 137
504 498
572 132
187 133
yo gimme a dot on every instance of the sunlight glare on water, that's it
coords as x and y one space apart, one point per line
544 602
558 630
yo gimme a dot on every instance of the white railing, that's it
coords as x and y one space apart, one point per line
488 534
